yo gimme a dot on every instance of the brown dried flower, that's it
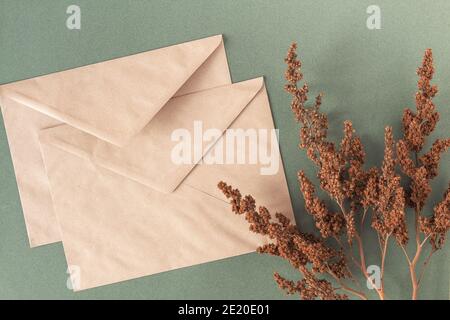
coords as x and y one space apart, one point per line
389 215
357 192
418 125
327 222
305 252
430 160
437 226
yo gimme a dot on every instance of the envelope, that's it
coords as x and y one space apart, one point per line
96 161
111 99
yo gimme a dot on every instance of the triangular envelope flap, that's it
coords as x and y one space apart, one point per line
115 99
152 157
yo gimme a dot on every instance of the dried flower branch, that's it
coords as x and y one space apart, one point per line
356 191
305 252
417 126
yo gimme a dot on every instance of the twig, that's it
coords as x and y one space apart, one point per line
362 257
347 288
424 266
406 254
383 260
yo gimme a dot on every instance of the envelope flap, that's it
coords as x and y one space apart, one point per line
115 99
169 146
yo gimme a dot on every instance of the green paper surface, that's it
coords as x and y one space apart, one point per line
367 76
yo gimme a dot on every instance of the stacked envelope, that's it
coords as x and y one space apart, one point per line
93 153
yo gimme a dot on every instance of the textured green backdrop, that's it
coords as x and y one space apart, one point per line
368 76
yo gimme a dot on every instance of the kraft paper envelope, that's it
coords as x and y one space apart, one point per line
123 208
112 100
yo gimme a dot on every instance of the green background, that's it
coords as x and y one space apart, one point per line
368 76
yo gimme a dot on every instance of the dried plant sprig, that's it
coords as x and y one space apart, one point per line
340 170
421 169
389 215
435 227
356 191
418 125
305 252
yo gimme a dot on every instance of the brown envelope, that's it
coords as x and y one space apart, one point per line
112 100
124 208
